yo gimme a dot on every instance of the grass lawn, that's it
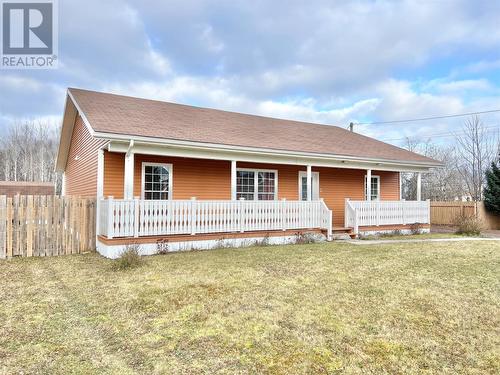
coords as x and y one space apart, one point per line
423 236
325 308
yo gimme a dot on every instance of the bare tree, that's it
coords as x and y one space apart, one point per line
475 152
28 151
441 183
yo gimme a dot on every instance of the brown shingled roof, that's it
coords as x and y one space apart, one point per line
109 113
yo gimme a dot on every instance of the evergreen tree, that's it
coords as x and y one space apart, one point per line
492 190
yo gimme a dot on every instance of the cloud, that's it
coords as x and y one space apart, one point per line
322 61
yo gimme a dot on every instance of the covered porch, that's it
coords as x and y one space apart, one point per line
147 191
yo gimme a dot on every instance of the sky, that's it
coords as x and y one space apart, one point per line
329 62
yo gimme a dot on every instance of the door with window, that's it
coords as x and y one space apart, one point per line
375 188
314 186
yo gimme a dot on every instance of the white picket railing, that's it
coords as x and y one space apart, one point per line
135 218
376 213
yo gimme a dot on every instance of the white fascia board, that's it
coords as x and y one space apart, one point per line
82 115
220 153
68 123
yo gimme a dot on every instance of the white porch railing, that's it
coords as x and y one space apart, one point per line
376 213
135 218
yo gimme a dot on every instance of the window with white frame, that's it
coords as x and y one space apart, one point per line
156 181
256 184
375 185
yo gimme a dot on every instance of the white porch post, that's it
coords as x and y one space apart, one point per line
368 184
100 173
233 180
100 190
309 183
400 187
128 183
129 176
419 186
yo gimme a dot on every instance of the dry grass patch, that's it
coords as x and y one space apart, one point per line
324 308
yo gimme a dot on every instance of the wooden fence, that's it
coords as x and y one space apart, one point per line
445 213
46 225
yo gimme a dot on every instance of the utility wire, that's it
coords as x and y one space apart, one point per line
426 118
440 135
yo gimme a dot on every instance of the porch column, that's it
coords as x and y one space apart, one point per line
129 176
309 183
100 191
368 184
419 186
100 173
233 180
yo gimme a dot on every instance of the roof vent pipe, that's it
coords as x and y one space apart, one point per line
351 127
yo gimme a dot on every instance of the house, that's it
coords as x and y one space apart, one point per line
191 177
13 188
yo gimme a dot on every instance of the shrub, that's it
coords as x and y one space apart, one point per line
468 225
129 258
264 241
308 238
162 247
416 228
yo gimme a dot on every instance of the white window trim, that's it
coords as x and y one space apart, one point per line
304 174
170 176
256 181
378 186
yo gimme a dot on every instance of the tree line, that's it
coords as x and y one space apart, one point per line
28 152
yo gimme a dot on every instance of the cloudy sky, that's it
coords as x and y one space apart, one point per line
322 61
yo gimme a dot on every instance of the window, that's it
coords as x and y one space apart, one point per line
375 185
256 184
156 181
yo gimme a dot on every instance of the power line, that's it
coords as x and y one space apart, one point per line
441 135
427 118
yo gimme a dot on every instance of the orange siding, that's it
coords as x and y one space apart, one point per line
81 174
114 165
200 178
211 179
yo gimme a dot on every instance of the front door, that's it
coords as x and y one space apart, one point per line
303 185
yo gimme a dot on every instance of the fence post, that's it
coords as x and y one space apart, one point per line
428 211
329 221
29 227
3 226
283 214
242 216
111 219
193 216
136 217
346 212
356 228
